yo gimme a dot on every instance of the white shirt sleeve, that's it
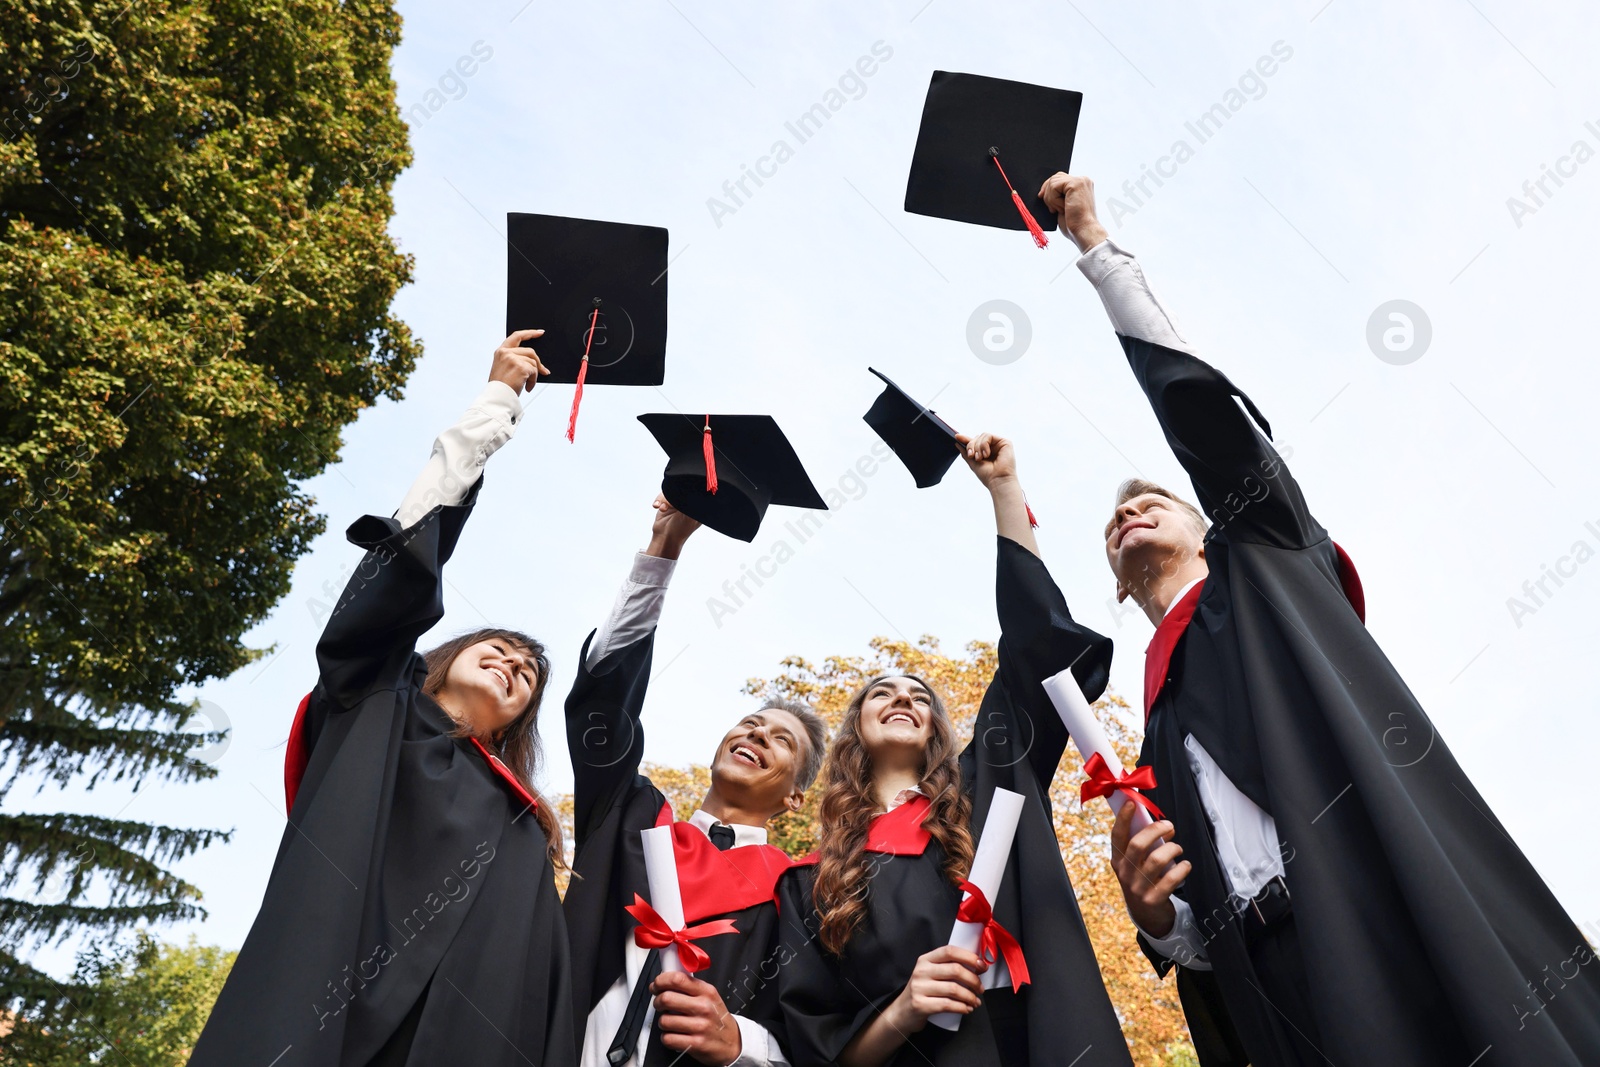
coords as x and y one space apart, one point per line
757 1046
459 454
637 607
1133 307
1184 945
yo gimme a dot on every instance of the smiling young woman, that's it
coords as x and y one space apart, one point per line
868 959
411 916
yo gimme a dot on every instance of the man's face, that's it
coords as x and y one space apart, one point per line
760 759
1148 537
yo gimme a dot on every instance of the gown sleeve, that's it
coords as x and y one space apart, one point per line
1038 638
605 733
1221 439
392 599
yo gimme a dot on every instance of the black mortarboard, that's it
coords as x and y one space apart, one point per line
924 442
986 146
595 288
725 470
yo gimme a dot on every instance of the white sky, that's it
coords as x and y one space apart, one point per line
1375 166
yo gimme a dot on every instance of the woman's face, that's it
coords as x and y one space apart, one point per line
896 717
489 684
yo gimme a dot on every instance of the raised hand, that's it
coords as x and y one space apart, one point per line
515 365
994 460
991 458
670 530
1071 198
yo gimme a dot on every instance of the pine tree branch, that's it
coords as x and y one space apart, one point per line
22 921
64 748
125 855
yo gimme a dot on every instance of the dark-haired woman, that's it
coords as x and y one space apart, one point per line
868 917
412 915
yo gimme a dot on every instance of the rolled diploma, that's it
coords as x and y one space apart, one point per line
1089 738
988 867
661 870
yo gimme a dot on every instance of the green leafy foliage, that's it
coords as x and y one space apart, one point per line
195 281
141 1004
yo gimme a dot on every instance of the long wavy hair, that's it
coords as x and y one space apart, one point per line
516 743
849 803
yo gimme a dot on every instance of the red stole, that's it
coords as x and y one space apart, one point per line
895 833
297 756
1158 654
714 882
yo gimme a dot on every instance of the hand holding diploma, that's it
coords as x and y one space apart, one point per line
975 929
661 918
1144 858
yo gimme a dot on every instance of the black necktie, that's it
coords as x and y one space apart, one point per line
627 1039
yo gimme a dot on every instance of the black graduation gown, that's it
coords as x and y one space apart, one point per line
412 883
612 804
1017 744
1420 922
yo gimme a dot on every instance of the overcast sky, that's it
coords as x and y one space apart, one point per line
1377 162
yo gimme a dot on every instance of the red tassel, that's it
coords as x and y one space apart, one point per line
577 398
711 460
1033 522
1033 224
583 372
1016 198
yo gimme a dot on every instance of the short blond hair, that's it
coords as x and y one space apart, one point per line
1135 487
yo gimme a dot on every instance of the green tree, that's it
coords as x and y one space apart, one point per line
195 281
140 1004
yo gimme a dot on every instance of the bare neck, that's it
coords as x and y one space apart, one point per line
1155 597
733 812
890 782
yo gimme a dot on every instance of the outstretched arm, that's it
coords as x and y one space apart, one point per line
460 453
1038 635
1213 428
638 605
994 461
393 597
605 738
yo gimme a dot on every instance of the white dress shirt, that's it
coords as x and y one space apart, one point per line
1246 836
759 1048
459 454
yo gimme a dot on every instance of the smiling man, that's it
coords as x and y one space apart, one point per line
1333 887
628 1012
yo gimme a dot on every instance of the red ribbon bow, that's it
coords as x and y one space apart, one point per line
1102 783
653 932
996 941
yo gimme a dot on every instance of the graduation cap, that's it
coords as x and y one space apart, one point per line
598 290
924 442
983 139
725 470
